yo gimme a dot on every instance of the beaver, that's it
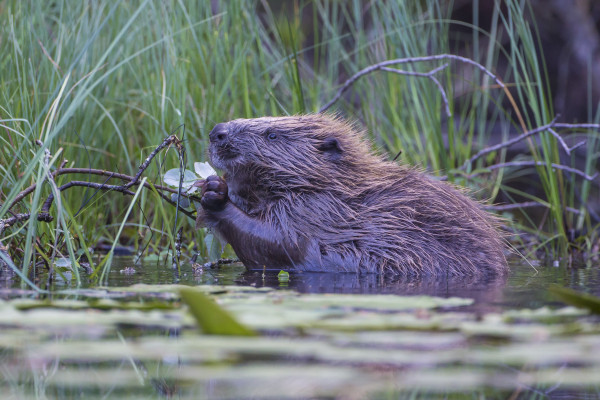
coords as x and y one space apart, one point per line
307 193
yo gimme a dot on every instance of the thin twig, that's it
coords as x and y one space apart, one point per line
177 255
533 164
527 204
167 142
548 127
44 213
510 142
48 56
430 76
560 141
131 181
88 171
379 66
562 125
5 223
182 162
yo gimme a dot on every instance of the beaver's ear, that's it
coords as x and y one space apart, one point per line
331 148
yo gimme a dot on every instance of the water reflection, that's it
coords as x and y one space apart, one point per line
485 291
524 287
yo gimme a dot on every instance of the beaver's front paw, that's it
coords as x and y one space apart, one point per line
214 193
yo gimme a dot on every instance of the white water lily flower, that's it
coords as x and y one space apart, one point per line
204 170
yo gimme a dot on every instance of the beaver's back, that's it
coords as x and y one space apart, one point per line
308 193
402 222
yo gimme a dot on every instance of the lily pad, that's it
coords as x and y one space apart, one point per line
211 318
577 299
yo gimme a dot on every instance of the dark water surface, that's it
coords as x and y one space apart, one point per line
525 287
73 350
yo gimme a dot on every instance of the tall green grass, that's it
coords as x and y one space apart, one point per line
101 83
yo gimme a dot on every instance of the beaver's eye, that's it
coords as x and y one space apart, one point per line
272 136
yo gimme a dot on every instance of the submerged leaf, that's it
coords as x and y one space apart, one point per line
211 318
577 299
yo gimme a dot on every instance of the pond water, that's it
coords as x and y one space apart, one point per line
525 287
321 335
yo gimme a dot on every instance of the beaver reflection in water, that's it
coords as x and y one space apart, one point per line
307 193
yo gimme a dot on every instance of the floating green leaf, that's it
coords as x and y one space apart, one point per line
283 276
211 318
577 299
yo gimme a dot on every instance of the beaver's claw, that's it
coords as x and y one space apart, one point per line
214 193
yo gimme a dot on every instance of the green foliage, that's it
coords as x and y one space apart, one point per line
283 276
210 317
310 346
577 299
101 83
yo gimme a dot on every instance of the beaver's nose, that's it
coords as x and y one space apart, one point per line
219 134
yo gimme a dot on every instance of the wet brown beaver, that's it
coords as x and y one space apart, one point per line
307 193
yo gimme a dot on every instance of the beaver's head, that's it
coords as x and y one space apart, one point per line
298 152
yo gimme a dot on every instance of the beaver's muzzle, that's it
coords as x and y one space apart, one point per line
218 135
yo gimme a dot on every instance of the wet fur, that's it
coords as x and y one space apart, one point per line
317 198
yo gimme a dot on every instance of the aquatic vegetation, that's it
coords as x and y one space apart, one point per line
99 86
316 345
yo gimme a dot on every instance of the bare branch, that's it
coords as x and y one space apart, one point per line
379 66
562 125
548 127
560 141
110 174
533 164
430 76
89 171
510 142
44 213
5 223
131 181
527 204
115 175
172 139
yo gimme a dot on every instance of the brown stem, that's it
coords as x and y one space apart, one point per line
527 204
510 142
532 164
89 171
379 66
430 76
5 223
172 139
44 213
131 181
